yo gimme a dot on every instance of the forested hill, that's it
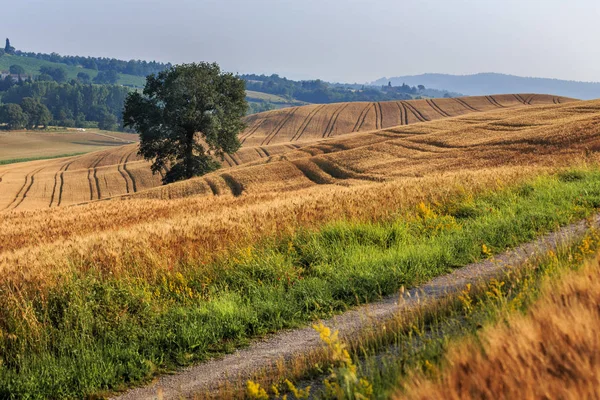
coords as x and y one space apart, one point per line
493 83
131 67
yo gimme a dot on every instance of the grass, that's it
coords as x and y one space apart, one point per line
20 160
93 332
32 67
551 350
531 333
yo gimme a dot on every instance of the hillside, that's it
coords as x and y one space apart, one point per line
32 67
492 83
294 134
19 146
314 122
168 276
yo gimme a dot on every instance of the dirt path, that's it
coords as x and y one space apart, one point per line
264 353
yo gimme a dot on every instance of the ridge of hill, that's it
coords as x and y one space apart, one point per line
494 83
281 143
32 67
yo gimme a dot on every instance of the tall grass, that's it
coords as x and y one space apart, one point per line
95 332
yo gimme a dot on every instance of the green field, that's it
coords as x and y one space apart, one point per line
32 67
277 101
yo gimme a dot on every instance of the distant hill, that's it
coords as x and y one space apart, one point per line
32 67
493 83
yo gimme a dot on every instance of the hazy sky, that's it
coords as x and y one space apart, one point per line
336 40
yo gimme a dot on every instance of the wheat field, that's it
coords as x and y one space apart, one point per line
551 352
292 142
365 175
122 251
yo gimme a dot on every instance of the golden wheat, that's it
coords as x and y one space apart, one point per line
114 172
551 353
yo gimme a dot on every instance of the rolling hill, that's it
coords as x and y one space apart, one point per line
19 146
492 83
282 143
156 277
32 67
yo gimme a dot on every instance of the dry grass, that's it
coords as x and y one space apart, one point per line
38 246
282 164
552 352
371 175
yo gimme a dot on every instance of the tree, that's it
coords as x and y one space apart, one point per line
37 113
84 77
187 116
108 122
8 49
421 87
110 77
6 83
16 70
59 74
13 116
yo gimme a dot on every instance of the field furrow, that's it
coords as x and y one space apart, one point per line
333 120
415 112
464 103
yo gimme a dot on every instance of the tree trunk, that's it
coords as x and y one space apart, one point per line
189 155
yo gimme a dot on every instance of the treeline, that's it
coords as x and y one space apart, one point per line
318 91
41 103
131 67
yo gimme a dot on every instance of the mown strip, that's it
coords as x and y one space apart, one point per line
22 160
94 334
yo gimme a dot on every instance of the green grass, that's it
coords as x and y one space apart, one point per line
32 67
20 160
389 362
94 333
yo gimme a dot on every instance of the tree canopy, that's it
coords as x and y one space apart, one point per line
8 49
16 70
187 117
13 116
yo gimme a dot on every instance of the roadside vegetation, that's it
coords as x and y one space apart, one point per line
528 333
549 349
90 329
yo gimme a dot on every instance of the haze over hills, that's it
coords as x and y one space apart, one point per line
494 83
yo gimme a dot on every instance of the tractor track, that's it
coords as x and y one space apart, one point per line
92 173
437 108
465 104
520 99
361 118
416 112
22 193
380 114
401 113
62 183
123 174
306 122
56 179
133 183
278 128
332 121
252 131
494 102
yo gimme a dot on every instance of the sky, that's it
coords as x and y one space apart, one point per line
335 40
